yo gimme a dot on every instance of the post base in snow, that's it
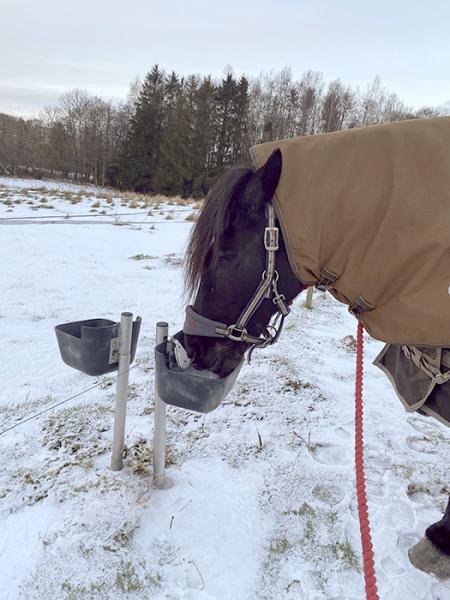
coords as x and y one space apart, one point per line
163 482
426 557
116 465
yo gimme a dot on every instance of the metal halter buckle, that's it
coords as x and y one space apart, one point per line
271 238
279 298
242 333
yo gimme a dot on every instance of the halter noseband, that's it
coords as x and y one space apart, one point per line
197 324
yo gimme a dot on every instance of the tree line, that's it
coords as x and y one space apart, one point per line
175 135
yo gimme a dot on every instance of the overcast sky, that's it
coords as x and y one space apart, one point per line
50 46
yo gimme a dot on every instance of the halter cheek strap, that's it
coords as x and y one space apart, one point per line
197 324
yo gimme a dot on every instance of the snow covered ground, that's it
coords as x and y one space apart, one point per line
263 503
22 183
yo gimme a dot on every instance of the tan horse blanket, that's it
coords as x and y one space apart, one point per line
365 213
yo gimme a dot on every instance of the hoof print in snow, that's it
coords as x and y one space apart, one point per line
328 455
342 434
330 495
420 424
398 515
422 444
391 568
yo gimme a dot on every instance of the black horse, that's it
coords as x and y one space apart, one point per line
226 256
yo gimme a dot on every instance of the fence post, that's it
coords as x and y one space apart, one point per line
309 297
125 335
159 431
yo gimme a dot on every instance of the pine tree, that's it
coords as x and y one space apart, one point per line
240 113
203 137
141 158
225 119
170 169
186 130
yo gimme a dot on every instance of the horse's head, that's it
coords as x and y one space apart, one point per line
226 259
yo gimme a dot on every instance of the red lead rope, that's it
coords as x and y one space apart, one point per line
364 525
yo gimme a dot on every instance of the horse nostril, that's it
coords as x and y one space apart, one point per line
193 349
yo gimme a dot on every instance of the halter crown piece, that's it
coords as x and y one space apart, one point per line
197 324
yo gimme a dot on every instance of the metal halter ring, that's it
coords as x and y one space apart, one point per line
275 276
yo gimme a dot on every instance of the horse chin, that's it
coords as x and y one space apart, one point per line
224 368
221 356
220 365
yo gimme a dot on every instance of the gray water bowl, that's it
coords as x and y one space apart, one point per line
92 346
201 391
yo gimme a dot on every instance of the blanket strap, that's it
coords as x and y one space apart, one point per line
327 278
359 306
426 363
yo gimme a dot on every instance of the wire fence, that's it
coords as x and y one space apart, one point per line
83 216
117 223
102 218
53 406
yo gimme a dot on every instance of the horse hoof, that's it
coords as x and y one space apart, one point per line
426 557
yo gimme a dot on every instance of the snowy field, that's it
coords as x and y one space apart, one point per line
263 503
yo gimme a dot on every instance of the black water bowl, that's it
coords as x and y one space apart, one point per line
201 391
92 346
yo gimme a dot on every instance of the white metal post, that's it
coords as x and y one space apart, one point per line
309 297
159 432
125 335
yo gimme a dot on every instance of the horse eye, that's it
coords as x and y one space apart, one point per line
227 256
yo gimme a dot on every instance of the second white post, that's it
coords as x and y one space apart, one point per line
159 432
125 335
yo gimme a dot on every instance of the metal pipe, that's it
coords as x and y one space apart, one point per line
125 335
309 297
159 432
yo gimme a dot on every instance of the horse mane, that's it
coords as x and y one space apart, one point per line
211 225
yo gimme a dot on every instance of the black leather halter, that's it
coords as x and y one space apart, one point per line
197 324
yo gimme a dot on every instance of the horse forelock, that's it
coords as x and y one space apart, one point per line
210 226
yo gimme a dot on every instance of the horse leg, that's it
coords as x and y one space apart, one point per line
432 553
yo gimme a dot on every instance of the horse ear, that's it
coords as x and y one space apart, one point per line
270 173
263 183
